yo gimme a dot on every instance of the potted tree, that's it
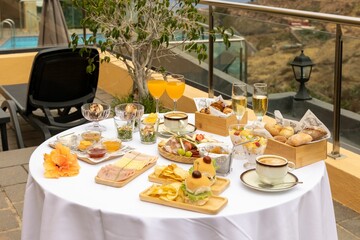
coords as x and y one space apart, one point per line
142 30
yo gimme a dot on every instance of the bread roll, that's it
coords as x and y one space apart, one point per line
287 131
299 139
273 129
315 132
280 138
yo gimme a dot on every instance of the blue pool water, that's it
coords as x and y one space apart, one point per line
23 42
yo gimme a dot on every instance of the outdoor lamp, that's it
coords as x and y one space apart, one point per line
302 66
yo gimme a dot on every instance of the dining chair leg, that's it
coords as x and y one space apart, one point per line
9 104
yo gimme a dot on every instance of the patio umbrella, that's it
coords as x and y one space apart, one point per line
53 30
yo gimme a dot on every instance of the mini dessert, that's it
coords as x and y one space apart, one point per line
96 109
96 152
130 111
196 189
206 166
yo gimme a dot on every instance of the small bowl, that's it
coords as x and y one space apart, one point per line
96 152
111 145
93 136
221 153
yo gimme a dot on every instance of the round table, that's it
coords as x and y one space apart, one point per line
78 208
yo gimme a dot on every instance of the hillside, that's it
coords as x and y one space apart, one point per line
277 43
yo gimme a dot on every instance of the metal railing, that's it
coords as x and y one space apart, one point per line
11 23
324 17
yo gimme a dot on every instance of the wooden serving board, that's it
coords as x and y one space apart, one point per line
120 184
219 186
175 158
213 206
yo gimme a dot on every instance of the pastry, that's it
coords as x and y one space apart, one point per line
287 131
280 138
315 132
273 129
299 139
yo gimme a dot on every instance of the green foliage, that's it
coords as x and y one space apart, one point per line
143 30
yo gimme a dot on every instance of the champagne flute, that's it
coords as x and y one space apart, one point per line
239 99
156 85
260 100
175 87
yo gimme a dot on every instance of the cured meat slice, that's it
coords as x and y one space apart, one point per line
114 173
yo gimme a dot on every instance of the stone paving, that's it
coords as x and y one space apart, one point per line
13 177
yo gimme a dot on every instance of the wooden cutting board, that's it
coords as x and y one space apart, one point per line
217 188
213 206
119 184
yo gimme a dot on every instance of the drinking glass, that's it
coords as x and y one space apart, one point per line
156 85
260 100
239 99
255 145
175 87
235 136
126 114
95 112
148 131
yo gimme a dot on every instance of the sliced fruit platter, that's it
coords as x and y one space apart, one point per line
183 148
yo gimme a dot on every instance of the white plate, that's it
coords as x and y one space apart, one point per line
250 178
162 130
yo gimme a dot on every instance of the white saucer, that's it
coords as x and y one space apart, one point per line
251 179
162 130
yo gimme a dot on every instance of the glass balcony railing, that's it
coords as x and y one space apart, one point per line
266 40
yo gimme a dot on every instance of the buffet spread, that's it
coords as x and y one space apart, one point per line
198 187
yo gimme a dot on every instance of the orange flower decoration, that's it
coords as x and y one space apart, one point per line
60 163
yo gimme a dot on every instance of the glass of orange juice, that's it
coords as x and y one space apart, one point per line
175 87
156 85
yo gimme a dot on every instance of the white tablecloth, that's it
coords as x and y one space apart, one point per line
76 208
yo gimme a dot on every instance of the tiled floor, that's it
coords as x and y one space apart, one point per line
13 177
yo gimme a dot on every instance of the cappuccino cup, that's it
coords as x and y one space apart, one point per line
272 169
176 120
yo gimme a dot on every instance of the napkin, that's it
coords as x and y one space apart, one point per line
201 103
309 119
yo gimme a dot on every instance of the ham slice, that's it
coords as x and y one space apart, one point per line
114 173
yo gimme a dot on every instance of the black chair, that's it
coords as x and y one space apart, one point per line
58 86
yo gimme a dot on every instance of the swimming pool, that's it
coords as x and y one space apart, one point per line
26 42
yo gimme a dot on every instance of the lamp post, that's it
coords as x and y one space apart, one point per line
302 66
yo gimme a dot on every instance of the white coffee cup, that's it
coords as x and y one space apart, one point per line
176 120
272 169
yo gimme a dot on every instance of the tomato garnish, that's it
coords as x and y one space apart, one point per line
199 137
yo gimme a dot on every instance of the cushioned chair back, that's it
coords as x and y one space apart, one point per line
59 79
